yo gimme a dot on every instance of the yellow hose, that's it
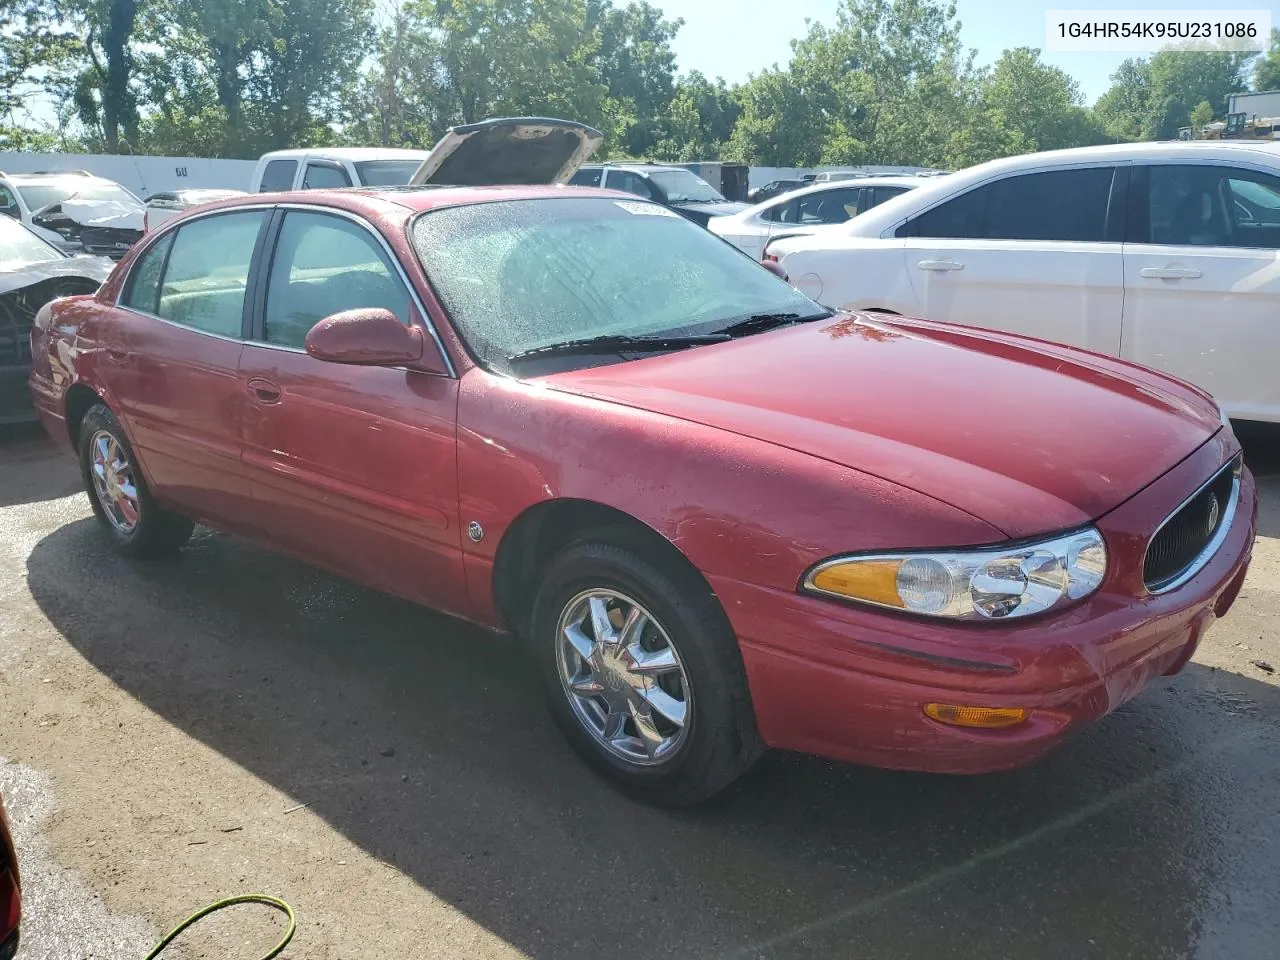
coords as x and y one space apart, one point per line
274 902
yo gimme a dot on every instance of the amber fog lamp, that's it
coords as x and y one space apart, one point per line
983 718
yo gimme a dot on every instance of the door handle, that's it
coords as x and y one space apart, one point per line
264 391
940 266
1170 273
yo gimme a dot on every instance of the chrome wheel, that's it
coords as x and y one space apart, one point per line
623 677
113 482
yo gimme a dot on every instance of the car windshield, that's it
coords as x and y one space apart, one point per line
519 275
682 186
37 196
387 173
18 246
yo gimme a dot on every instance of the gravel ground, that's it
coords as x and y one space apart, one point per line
165 721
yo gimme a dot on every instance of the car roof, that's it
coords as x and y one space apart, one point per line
930 190
347 153
375 200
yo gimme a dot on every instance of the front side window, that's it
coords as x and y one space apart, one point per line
828 206
629 181
324 176
586 177
1061 205
9 203
684 186
278 175
143 289
204 281
781 212
1213 206
325 264
520 275
880 194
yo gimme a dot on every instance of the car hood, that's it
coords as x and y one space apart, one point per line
509 150
15 276
1026 436
715 208
99 213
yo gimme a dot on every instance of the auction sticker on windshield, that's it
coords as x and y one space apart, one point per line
645 209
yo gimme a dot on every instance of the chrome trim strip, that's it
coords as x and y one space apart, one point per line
310 207
1215 543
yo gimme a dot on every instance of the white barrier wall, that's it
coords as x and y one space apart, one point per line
142 175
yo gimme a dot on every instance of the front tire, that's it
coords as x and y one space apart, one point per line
643 673
118 492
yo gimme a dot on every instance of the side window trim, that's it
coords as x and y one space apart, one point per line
267 257
255 294
1116 226
169 237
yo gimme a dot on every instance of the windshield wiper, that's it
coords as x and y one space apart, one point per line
759 322
609 343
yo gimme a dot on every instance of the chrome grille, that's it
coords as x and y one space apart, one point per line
1186 540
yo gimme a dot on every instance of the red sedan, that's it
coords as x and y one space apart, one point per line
723 517
10 892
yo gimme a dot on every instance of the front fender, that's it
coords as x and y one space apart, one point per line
736 507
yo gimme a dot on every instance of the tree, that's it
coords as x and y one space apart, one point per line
1123 110
637 66
1151 99
699 120
1042 104
1202 114
1266 69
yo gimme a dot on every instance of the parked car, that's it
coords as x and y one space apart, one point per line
801 211
32 272
10 891
774 188
162 207
832 176
682 190
327 167
721 517
334 167
1159 253
75 211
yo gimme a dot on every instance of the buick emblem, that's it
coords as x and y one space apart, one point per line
1214 511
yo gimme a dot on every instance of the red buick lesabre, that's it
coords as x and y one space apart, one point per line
723 517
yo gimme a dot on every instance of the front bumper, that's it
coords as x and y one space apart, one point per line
850 682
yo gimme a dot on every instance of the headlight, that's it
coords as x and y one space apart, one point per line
995 583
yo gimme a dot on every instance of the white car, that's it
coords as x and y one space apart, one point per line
167 205
801 211
74 210
328 167
1165 254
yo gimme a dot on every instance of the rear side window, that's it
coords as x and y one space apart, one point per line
781 213
584 177
208 269
1061 205
143 291
322 265
630 181
322 176
278 176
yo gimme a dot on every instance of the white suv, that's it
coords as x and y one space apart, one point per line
1166 254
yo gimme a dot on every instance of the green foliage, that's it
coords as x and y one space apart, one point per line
1151 99
1266 69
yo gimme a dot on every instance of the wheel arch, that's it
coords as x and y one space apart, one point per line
546 527
78 401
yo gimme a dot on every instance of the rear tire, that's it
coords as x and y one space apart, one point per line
662 707
118 492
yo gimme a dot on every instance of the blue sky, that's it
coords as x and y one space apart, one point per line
734 38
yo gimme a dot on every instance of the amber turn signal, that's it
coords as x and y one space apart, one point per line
986 718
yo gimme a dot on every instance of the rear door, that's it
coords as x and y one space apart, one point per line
1033 253
1202 280
172 359
352 467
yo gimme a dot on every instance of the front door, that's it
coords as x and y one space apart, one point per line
1029 254
1202 281
171 364
352 467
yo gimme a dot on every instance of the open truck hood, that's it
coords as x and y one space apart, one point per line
509 150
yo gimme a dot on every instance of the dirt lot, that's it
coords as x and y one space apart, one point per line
162 722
